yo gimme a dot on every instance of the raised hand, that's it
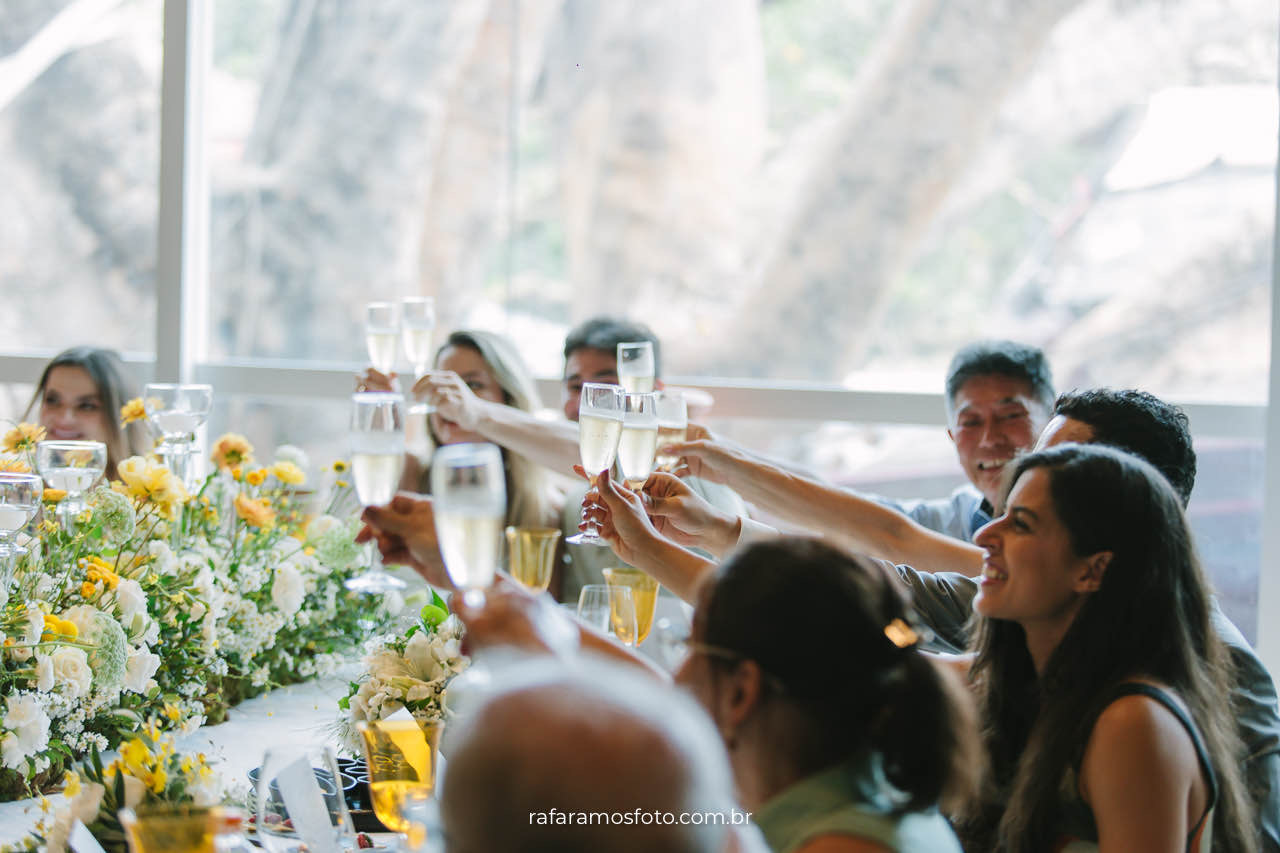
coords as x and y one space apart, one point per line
374 380
405 533
682 515
452 399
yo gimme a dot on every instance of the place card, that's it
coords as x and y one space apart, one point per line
305 802
82 840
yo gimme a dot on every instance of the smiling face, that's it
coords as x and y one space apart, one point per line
1031 574
585 364
994 418
473 370
71 408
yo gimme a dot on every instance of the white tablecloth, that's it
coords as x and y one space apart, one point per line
301 714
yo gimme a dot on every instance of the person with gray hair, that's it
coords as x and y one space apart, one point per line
586 757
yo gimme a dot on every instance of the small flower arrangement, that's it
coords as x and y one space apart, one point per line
410 671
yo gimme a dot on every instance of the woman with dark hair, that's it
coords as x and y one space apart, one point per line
1100 680
79 395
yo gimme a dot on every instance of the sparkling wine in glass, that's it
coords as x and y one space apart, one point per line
468 488
417 321
401 756
300 803
377 461
19 500
176 411
639 438
636 368
599 429
73 467
673 426
382 334
610 610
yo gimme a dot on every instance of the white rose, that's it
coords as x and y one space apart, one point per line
85 617
28 726
11 751
44 673
162 558
287 590
71 669
293 453
140 669
320 525
392 602
130 599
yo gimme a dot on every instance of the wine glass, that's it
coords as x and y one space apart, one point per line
73 467
176 411
468 487
599 428
300 804
377 461
636 366
417 320
639 439
531 555
19 500
382 334
401 755
644 592
673 426
610 610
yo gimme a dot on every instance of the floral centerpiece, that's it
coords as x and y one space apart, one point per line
411 670
169 606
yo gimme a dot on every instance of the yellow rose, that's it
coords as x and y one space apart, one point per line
288 473
134 410
256 477
52 496
22 438
150 482
255 512
10 465
231 451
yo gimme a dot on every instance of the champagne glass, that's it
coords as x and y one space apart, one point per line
636 366
382 334
401 755
73 467
639 439
531 553
300 804
19 500
468 487
609 609
176 411
673 426
417 320
644 592
377 461
599 428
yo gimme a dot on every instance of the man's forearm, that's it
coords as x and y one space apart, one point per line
552 444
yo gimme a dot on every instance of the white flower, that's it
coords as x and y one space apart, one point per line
141 669
44 673
320 525
163 559
392 602
28 726
134 791
287 590
130 599
294 454
71 669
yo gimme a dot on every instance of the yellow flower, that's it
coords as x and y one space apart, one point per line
87 589
22 438
134 410
150 482
287 472
52 496
159 780
339 466
256 477
255 512
237 474
172 712
10 465
72 780
341 484
231 451
135 755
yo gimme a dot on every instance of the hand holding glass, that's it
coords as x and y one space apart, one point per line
468 488
377 460
599 428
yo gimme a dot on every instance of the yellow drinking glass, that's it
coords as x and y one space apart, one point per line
401 756
169 828
533 555
644 592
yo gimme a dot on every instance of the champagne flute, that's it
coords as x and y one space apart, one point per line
401 757
644 592
639 439
468 487
417 320
300 804
382 334
636 369
377 461
599 428
176 411
531 553
19 500
73 467
610 610
673 426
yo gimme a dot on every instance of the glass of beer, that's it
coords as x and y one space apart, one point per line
401 755
644 593
532 553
